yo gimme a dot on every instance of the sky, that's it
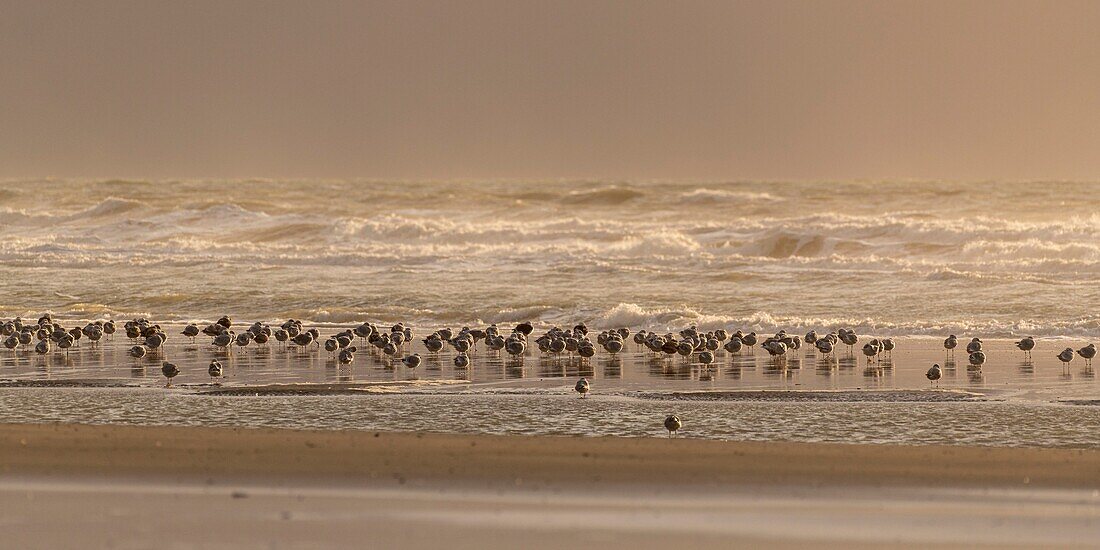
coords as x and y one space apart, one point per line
517 89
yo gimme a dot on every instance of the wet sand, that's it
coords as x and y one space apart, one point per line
140 486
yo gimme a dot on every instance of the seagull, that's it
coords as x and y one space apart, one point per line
243 338
933 374
582 387
191 331
848 337
215 369
749 340
586 350
734 345
153 341
66 341
433 343
461 345
1087 353
870 350
170 371
974 345
1026 345
515 346
672 424
331 345
346 355
951 343
706 358
977 358
888 346
303 339
1066 356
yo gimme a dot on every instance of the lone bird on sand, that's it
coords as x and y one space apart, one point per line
582 387
672 424
170 371
934 374
215 369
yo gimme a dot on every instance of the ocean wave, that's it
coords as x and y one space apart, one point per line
607 196
919 258
638 317
707 196
904 236
629 315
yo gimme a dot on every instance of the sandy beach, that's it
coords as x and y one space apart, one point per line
129 486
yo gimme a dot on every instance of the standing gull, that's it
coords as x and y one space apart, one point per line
582 387
974 345
977 358
412 361
215 369
170 371
1026 345
933 374
346 355
1066 356
672 424
1087 353
950 344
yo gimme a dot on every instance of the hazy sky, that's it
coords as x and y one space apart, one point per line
532 89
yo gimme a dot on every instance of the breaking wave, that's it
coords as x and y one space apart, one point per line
889 257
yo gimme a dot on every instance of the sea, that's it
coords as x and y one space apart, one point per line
892 257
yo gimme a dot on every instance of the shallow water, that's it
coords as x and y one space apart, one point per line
1006 375
842 398
980 423
899 258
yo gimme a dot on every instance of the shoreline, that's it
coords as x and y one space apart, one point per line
70 485
382 458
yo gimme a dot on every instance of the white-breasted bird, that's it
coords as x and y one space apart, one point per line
672 424
582 387
934 374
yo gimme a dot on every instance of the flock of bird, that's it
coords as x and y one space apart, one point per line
976 356
48 335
